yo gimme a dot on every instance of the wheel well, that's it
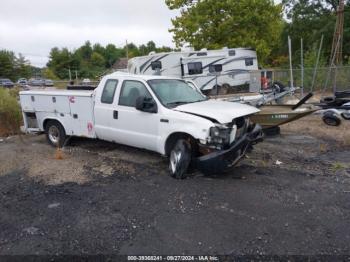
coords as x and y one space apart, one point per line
171 140
50 119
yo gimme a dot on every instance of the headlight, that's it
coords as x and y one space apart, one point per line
220 135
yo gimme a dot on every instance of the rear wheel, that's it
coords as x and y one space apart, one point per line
55 133
180 159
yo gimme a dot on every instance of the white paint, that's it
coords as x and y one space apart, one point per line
133 127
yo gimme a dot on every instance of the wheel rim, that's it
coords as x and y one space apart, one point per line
54 134
174 160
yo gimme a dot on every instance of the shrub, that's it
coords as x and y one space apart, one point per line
10 113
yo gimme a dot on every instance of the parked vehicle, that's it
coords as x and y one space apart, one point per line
157 113
22 82
194 65
86 81
36 82
5 82
48 82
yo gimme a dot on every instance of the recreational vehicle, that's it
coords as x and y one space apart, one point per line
236 64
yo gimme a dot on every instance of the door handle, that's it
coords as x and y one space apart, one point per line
115 114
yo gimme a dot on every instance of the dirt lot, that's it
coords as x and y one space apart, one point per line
290 196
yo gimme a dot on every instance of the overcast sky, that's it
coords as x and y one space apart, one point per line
33 27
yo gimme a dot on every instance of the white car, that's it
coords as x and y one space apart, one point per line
161 114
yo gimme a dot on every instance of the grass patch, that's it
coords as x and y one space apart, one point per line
10 112
337 166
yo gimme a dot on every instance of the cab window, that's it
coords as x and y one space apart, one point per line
131 90
109 91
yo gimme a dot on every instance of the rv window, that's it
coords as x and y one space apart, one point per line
249 61
109 91
156 65
195 68
202 54
232 52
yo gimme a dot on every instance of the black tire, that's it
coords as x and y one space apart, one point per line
346 116
278 87
180 159
331 119
55 133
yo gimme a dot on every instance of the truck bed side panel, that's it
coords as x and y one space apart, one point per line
73 111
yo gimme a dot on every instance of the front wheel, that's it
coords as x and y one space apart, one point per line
55 133
180 159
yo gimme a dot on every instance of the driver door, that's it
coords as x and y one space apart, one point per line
134 127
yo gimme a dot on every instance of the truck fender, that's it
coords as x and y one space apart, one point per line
174 137
46 120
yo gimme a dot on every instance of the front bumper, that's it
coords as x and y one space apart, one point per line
219 161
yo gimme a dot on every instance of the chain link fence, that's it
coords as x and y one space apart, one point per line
323 79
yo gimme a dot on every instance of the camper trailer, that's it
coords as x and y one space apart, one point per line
236 63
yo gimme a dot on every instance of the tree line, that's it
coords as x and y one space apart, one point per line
12 66
262 25
92 60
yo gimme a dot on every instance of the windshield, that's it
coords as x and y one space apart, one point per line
173 92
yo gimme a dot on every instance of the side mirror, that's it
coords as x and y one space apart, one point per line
146 104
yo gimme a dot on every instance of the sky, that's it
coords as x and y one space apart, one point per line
34 27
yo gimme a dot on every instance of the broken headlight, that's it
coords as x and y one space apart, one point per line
220 135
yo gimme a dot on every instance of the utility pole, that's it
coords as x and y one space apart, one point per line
316 65
302 66
337 48
290 62
70 74
337 44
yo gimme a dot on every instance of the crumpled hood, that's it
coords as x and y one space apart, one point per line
221 111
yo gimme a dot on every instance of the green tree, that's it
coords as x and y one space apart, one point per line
60 62
22 67
112 54
97 60
48 73
215 24
312 19
93 61
7 64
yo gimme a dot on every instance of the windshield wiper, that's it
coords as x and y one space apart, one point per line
177 103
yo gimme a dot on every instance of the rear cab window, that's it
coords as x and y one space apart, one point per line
108 92
131 90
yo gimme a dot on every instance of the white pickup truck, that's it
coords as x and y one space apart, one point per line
161 114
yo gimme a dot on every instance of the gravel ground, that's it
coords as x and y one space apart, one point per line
291 196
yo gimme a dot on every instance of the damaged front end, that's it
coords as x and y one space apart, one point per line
227 144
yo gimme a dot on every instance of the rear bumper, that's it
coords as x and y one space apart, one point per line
220 161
